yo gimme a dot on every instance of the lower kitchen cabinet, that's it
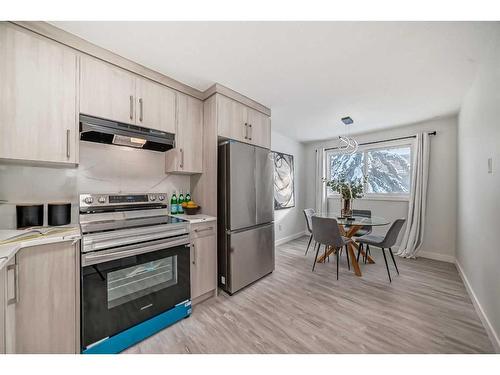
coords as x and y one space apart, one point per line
3 285
43 300
203 261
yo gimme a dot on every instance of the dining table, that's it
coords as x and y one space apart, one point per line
348 228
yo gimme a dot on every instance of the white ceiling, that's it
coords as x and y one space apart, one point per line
382 74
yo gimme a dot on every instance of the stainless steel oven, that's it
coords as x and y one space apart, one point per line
135 266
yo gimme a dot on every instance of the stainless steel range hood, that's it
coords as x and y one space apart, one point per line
93 129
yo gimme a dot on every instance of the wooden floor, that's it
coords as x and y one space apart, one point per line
425 310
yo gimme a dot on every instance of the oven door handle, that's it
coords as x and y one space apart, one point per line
103 256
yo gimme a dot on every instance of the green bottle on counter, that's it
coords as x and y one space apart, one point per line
180 209
173 204
188 197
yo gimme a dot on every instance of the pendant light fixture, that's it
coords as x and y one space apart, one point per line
348 145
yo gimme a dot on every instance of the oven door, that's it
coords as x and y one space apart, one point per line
124 286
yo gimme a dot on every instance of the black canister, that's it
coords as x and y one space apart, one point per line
29 215
59 213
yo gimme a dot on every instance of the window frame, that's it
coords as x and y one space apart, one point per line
365 149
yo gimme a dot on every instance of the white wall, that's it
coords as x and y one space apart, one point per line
290 222
439 238
478 253
102 169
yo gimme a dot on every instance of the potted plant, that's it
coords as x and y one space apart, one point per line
348 190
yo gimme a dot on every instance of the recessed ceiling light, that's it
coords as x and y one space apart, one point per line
347 120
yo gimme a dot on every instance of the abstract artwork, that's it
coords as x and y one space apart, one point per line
284 192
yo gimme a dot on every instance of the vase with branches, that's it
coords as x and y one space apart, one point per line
348 190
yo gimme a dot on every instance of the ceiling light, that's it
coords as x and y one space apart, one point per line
347 145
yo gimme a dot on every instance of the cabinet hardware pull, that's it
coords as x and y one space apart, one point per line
251 131
140 110
14 299
246 130
182 158
204 229
131 107
194 254
68 151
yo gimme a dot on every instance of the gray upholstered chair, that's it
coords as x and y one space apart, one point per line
326 232
308 213
364 230
384 242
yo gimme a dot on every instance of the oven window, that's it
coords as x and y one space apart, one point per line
130 283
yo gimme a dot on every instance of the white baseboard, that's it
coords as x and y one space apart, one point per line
484 319
292 237
436 256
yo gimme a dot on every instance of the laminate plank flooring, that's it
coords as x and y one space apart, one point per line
293 310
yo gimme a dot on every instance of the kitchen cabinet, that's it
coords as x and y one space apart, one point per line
3 285
203 260
241 123
112 93
42 315
38 98
187 156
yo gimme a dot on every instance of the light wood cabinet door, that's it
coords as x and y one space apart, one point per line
46 313
187 156
106 91
155 106
38 98
231 119
3 305
260 128
203 265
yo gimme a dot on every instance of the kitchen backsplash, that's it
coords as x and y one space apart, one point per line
102 169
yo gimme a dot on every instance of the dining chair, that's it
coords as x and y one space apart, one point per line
384 242
366 229
308 213
326 232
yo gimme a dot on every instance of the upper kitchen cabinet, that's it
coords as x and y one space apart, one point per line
112 93
38 96
241 123
106 91
155 106
187 156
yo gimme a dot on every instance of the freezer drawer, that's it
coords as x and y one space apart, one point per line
250 256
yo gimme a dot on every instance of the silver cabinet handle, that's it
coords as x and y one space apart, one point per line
68 151
15 268
194 253
131 107
204 229
140 109
250 136
182 158
246 130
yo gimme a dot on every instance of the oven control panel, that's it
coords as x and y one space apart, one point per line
101 200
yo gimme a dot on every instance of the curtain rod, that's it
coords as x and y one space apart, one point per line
385 140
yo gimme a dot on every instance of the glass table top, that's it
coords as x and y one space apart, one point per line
358 220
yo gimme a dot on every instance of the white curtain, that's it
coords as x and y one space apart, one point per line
414 233
320 185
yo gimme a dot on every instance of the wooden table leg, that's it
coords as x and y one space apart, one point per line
354 261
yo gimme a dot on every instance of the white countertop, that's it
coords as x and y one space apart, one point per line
8 250
195 219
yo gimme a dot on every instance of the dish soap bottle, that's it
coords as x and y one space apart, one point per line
180 209
173 204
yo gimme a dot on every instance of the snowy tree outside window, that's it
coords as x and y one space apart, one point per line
388 169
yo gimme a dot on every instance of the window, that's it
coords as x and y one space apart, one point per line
388 169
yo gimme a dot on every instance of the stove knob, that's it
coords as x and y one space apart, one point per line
102 200
152 198
89 200
161 197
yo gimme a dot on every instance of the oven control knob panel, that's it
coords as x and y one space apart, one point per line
89 200
161 197
102 200
152 198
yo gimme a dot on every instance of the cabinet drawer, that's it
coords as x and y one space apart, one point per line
203 229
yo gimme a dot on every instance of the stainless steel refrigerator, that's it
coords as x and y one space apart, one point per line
245 215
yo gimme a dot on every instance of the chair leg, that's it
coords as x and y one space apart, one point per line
393 260
360 247
309 243
386 265
328 257
367 252
338 263
347 254
316 257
